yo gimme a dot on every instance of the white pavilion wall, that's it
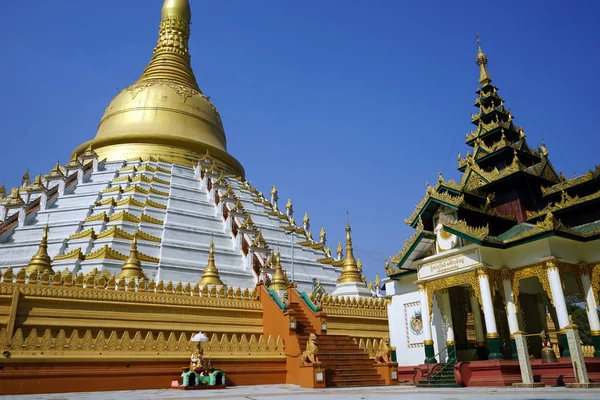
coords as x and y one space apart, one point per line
405 301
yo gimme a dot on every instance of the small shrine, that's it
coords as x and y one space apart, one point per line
200 374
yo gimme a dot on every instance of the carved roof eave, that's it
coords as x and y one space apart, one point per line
541 230
588 177
433 195
567 203
409 246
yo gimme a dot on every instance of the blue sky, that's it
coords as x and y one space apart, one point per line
344 105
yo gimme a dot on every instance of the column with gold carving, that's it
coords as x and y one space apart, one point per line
493 339
447 322
482 353
511 311
425 317
560 305
591 306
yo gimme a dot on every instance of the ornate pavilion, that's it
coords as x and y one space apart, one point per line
151 233
500 252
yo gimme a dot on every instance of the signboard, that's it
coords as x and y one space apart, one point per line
450 264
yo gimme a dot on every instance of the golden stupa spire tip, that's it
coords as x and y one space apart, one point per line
41 261
211 273
482 61
177 8
132 267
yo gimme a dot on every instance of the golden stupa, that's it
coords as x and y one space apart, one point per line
164 113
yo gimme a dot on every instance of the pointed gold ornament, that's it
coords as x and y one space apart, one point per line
41 261
132 268
210 276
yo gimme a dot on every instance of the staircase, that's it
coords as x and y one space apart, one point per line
442 375
345 363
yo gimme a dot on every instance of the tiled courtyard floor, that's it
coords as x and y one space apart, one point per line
275 392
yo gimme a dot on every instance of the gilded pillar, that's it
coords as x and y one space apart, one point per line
591 307
447 322
479 335
425 316
560 305
493 339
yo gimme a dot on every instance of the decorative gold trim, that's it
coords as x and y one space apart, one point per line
492 335
117 188
428 342
85 234
129 201
145 236
114 233
97 217
151 220
106 202
158 192
150 203
124 216
105 253
465 278
136 189
75 254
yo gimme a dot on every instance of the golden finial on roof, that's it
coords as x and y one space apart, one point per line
327 252
370 286
260 242
73 162
132 267
359 265
56 172
440 177
41 261
350 272
278 282
377 280
306 223
274 192
2 191
289 208
339 250
323 235
25 181
37 183
543 149
248 223
482 60
238 207
211 273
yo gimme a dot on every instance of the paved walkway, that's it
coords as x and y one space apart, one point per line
276 392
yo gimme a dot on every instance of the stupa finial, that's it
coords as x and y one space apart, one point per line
350 271
482 61
41 261
279 282
132 268
211 273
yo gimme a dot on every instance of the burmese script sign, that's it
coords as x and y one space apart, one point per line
450 264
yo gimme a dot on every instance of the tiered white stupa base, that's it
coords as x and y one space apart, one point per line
352 289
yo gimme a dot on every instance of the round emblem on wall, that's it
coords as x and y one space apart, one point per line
416 323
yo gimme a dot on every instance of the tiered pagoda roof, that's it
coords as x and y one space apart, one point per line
509 192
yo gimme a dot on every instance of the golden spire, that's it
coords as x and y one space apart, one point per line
482 60
25 181
41 261
339 249
211 274
260 242
2 191
350 272
289 208
323 235
171 58
132 268
37 183
278 282
55 172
